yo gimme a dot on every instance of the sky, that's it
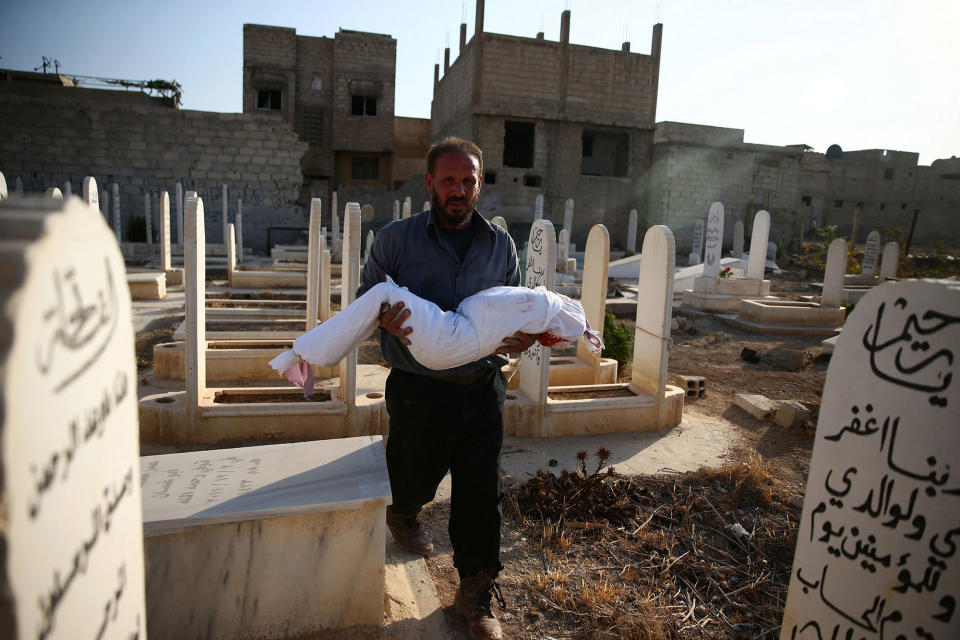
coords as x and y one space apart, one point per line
864 74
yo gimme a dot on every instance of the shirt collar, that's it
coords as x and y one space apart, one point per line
477 221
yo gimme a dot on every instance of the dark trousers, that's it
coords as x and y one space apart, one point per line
437 426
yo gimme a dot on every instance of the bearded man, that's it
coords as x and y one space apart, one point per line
449 420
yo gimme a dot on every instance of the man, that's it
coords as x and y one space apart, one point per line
448 420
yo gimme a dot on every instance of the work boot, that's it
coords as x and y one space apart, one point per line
473 601
408 532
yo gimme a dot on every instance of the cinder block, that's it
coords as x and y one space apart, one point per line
791 414
694 386
759 406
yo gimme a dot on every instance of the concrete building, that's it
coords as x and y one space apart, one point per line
564 120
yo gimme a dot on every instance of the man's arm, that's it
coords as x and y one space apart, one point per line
518 342
374 272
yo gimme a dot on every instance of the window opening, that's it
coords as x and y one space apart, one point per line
605 153
269 99
518 144
363 106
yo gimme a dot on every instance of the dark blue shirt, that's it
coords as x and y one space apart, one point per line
418 257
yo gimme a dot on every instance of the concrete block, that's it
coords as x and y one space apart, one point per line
694 386
791 414
759 406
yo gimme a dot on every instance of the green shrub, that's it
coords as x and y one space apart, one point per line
618 340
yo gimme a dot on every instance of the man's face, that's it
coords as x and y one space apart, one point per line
454 188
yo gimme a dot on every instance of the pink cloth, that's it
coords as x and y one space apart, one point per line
301 375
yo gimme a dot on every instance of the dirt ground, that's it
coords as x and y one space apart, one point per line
667 564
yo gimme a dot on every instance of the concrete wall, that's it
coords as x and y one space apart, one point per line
48 142
411 141
364 64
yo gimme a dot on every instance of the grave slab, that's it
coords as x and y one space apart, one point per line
147 285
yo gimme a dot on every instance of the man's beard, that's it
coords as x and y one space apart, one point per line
440 213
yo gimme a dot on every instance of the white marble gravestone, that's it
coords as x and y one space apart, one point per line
396 209
758 246
500 222
335 229
313 263
651 339
891 261
368 244
3 187
349 281
148 217
117 222
540 268
91 194
223 200
632 232
238 221
269 542
231 251
71 536
194 282
713 243
593 297
738 239
538 207
165 262
877 545
563 250
407 207
180 213
696 252
871 254
54 193
325 263
833 273
568 216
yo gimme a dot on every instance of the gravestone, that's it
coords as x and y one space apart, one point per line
366 213
891 261
3 187
194 281
713 244
500 222
223 200
91 194
180 213
68 189
407 206
165 262
335 229
231 246
538 207
876 553
313 263
563 249
871 253
54 193
738 240
368 244
593 297
758 246
349 281
396 209
632 231
540 268
148 217
833 273
651 339
238 221
568 217
325 263
71 540
117 224
426 205
697 251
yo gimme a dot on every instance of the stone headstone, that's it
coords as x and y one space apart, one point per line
54 193
500 222
180 214
3 187
223 200
538 207
540 269
349 281
833 273
71 538
194 281
713 243
426 205
231 245
91 194
165 262
368 244
148 217
632 231
871 253
651 340
117 224
877 541
738 240
568 216
313 263
593 297
696 253
238 220
563 249
68 189
325 264
366 213
396 209
407 206
758 246
335 230
891 261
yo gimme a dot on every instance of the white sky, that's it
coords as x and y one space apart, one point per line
859 73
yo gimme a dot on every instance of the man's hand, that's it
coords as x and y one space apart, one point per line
392 319
517 343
